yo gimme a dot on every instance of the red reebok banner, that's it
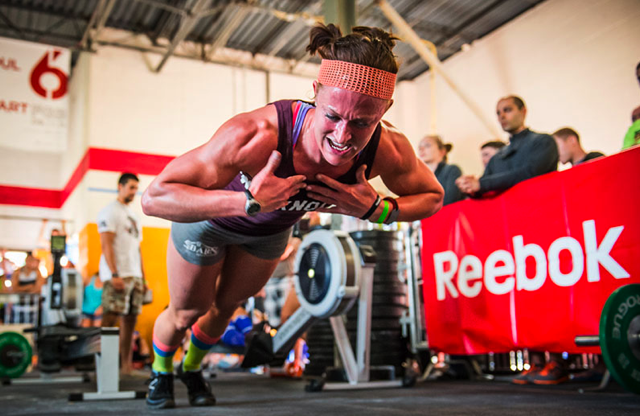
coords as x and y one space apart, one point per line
533 266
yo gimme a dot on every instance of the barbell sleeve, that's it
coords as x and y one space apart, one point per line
587 341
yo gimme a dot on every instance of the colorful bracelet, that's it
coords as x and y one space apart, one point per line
395 212
372 209
385 212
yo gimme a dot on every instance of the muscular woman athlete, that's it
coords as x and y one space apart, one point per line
225 241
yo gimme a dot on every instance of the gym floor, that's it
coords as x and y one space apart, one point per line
249 394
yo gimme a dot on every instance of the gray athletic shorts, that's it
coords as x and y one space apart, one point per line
204 244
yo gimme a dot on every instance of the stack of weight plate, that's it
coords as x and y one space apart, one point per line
320 342
389 303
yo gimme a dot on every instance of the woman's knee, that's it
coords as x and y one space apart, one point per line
225 308
184 318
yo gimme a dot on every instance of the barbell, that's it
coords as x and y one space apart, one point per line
619 337
15 355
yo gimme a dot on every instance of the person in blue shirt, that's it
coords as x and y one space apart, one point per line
92 303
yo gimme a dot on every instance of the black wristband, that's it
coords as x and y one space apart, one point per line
372 209
115 274
393 215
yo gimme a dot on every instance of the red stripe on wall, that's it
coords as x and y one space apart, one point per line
76 177
95 159
121 161
31 197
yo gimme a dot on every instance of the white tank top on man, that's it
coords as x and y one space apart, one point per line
121 220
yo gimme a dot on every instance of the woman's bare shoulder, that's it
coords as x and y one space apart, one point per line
394 146
246 139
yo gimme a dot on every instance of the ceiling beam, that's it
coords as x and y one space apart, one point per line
285 38
228 27
187 24
70 40
226 56
165 6
474 18
54 26
411 37
163 21
11 26
44 12
105 15
310 18
79 31
450 34
92 21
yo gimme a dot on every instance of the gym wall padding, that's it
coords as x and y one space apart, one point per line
154 249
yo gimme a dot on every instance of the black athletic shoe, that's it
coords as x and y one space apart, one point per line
199 390
160 394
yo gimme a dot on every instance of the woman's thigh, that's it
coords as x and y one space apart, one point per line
242 276
200 252
191 286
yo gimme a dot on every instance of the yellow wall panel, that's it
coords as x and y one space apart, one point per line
154 250
154 260
89 247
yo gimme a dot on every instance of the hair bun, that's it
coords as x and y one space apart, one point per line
323 37
369 46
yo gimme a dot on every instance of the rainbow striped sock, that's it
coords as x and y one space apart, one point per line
199 346
163 360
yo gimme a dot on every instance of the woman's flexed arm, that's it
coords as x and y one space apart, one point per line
190 188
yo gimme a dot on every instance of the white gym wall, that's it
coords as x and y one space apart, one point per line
572 61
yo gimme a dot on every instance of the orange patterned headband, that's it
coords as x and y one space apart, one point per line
359 78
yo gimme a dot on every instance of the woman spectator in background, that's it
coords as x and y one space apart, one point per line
489 149
92 302
28 278
433 152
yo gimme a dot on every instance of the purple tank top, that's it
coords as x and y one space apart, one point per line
274 222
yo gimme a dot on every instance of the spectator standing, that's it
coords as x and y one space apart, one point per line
7 266
569 148
433 152
632 138
121 265
92 302
489 149
528 154
571 151
555 371
28 278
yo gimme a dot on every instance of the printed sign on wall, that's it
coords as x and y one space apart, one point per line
34 101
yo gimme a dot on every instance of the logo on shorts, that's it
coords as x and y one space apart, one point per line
199 249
